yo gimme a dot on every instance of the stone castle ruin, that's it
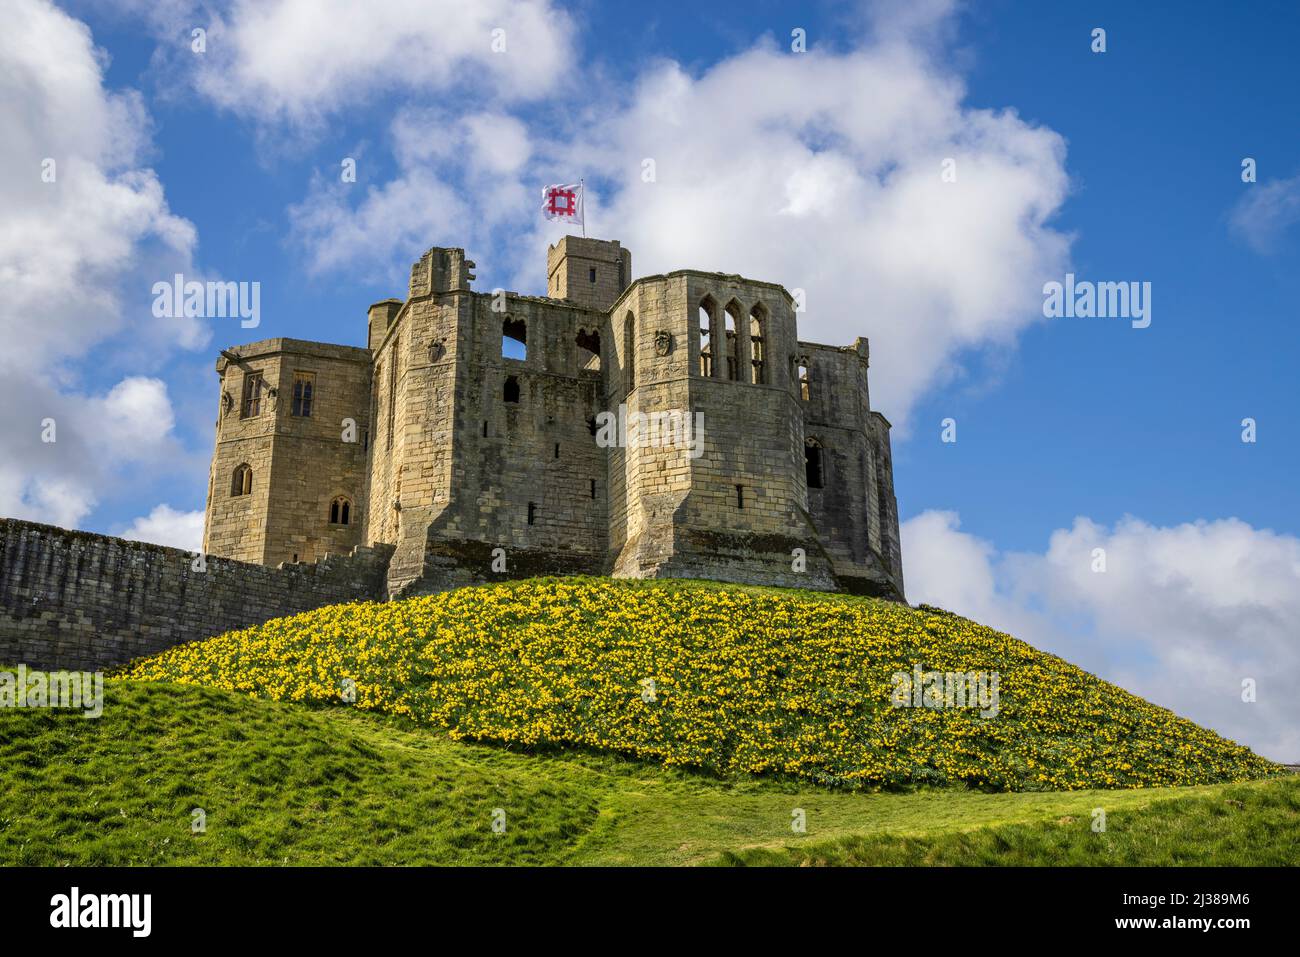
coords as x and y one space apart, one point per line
669 426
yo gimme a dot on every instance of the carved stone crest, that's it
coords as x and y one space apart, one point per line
437 350
663 342
226 403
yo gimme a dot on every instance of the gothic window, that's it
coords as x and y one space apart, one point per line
511 391
757 349
805 382
707 311
341 511
241 483
812 460
514 339
304 386
731 330
252 402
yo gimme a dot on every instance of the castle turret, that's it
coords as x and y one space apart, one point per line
590 272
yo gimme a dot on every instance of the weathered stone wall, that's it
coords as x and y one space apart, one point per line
82 601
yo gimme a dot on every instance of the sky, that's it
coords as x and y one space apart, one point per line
921 170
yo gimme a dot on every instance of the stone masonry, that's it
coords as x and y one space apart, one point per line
467 436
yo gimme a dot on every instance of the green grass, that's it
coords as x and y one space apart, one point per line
301 784
770 682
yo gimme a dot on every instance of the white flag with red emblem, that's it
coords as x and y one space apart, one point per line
563 203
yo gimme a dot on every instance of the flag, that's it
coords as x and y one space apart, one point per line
563 203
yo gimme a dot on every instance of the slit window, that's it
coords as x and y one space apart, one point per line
593 488
532 513
591 274
629 350
304 385
740 496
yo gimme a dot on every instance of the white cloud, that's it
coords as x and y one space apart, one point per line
1181 615
167 526
1267 210
436 199
77 258
300 61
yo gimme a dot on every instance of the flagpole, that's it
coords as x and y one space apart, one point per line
582 191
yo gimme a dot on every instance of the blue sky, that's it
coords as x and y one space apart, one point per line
1072 433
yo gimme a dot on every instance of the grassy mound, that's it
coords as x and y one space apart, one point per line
302 785
726 679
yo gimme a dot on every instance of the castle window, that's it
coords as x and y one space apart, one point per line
252 402
340 511
241 483
511 391
557 450
731 330
588 350
629 350
304 384
485 429
812 461
593 488
805 382
532 513
591 274
758 373
514 339
740 496
392 390
707 310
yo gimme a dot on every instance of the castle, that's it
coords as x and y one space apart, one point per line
470 436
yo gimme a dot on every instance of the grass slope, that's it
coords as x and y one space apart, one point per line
288 784
730 680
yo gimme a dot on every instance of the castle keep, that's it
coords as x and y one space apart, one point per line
468 435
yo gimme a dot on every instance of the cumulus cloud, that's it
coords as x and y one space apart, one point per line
1181 615
86 228
167 526
438 198
301 61
1264 214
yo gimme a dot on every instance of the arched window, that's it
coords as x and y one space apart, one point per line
341 511
241 483
812 460
514 339
511 391
629 350
805 383
757 349
731 331
708 310
588 350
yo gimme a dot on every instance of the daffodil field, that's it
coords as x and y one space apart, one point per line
726 679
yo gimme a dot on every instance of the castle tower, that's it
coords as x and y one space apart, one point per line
288 476
590 272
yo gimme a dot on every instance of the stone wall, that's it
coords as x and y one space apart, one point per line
82 601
